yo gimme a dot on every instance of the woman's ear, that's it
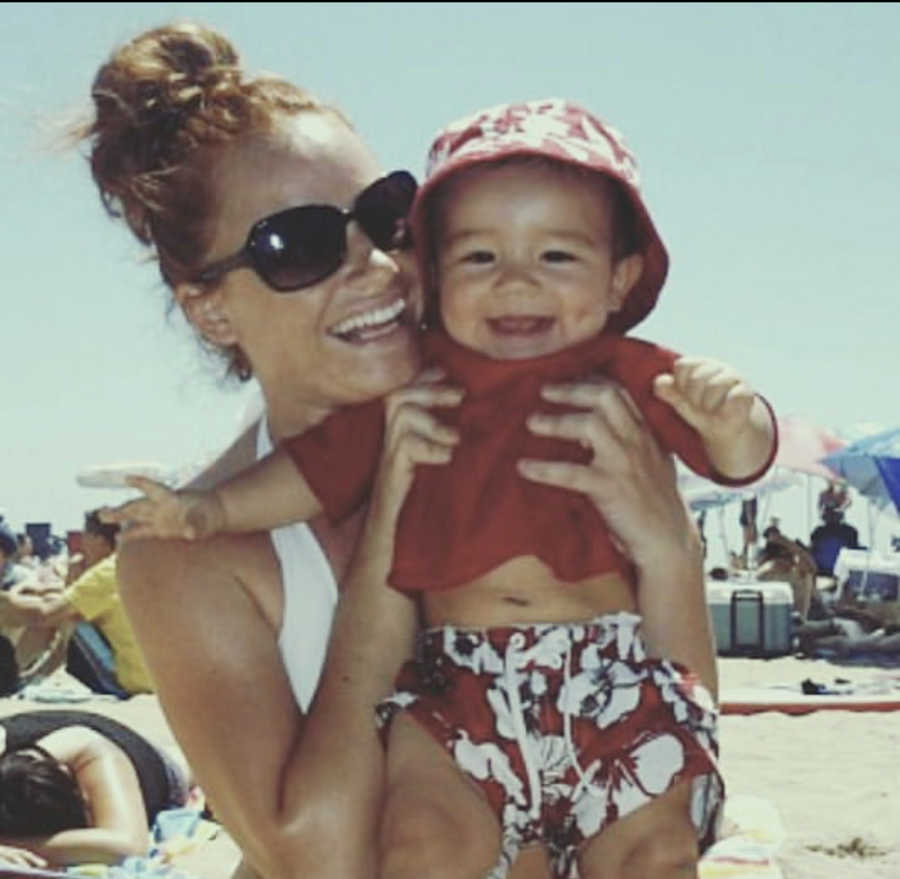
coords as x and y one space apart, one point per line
625 275
205 310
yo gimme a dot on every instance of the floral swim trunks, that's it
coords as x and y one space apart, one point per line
564 727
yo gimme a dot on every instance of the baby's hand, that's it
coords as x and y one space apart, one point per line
708 395
163 513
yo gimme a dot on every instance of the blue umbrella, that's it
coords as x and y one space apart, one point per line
872 466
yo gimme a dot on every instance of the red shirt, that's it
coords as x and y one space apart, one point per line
465 518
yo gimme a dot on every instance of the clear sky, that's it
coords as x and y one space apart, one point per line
768 140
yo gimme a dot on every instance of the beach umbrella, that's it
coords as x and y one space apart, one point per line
702 494
802 445
872 466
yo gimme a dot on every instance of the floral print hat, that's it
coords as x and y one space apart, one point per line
560 130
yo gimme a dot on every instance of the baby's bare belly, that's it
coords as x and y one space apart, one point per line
525 590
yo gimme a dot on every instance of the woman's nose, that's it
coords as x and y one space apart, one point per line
363 257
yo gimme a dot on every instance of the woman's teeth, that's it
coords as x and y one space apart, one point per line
369 324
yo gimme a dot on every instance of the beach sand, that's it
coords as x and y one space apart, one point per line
834 776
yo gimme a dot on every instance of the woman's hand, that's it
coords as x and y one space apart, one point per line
633 485
163 513
412 435
20 857
629 479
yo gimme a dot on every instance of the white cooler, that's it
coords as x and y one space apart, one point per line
751 617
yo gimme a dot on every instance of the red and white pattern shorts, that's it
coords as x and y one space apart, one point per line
564 727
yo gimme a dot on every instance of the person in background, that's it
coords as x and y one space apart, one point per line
749 532
11 572
834 497
25 554
788 560
78 787
829 538
103 651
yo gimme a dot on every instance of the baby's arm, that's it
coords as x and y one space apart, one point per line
267 494
737 427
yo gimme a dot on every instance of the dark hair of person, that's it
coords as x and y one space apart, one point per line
107 530
8 542
38 795
166 106
9 667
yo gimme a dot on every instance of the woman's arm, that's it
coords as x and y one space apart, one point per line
633 485
300 794
116 807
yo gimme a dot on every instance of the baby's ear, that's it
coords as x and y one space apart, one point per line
205 310
626 273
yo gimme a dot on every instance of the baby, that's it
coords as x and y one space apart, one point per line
531 672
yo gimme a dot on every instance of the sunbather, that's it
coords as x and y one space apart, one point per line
78 787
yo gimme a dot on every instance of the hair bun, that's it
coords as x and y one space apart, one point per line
155 101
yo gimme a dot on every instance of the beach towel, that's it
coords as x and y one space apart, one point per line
752 833
175 833
880 692
61 687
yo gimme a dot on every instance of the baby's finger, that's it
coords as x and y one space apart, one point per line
132 511
693 377
666 389
715 393
149 487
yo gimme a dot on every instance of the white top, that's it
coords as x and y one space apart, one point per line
310 594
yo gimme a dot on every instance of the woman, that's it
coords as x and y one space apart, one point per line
194 155
78 787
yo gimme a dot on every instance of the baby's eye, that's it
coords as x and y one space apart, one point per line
557 256
478 257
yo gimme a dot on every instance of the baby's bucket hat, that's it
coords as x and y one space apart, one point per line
556 129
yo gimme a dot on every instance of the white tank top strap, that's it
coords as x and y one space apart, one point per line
310 595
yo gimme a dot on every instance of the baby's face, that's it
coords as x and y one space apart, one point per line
525 264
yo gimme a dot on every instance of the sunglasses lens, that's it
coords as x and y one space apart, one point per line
299 247
382 210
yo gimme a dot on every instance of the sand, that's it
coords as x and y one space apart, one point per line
832 775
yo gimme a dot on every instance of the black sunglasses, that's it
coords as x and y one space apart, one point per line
301 246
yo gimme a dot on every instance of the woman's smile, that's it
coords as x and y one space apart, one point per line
373 323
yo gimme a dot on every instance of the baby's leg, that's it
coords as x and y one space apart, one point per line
657 840
436 823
